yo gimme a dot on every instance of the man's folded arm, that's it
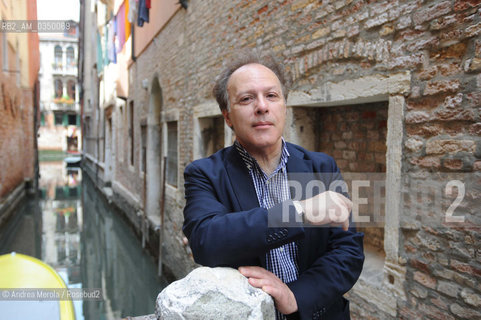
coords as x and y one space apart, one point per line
218 237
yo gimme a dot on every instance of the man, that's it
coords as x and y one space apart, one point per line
239 211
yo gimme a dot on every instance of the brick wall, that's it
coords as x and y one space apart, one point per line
356 137
436 42
16 135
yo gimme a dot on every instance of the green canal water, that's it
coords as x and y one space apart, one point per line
73 229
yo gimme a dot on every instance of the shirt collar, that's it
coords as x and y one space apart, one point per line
251 163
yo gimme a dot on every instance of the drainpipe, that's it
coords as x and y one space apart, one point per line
144 200
36 113
162 209
132 55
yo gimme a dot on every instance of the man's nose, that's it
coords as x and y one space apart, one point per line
262 105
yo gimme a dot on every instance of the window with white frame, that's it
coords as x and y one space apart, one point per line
70 56
58 56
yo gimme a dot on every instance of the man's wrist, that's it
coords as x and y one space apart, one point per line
299 210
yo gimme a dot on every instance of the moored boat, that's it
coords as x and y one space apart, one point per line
19 271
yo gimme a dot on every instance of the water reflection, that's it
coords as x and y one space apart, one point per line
112 259
62 215
75 231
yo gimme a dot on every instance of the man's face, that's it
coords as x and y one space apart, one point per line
257 108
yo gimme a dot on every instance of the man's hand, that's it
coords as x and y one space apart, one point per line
261 278
327 208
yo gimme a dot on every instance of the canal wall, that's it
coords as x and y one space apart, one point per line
11 201
19 101
146 231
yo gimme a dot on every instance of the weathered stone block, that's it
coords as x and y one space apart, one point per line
426 130
299 4
444 273
349 155
465 313
417 117
434 312
453 164
477 165
449 146
441 86
320 33
423 44
440 303
419 291
425 279
214 293
449 288
414 144
471 298
340 145
426 162
472 65
461 5
433 11
472 31
449 69
377 21
454 51
441 23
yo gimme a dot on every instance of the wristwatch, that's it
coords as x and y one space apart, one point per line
299 210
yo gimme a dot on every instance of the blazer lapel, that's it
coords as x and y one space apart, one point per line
241 181
297 165
242 185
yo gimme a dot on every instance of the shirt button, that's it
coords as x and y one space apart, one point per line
281 249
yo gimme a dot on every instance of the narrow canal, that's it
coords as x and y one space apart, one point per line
72 228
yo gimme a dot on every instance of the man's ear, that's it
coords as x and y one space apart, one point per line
225 113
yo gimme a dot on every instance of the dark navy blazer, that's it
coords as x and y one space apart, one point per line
226 227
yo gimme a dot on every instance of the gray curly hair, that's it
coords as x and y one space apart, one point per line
246 57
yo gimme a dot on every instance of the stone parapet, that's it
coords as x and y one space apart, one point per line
214 293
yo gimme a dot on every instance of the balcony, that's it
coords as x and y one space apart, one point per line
68 69
64 103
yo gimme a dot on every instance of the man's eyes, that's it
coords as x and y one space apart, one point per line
248 99
245 99
272 95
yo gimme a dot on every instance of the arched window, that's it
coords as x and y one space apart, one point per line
71 89
58 56
58 88
70 56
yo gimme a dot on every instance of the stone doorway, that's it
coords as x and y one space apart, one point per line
153 174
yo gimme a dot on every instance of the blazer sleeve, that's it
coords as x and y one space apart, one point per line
335 272
319 288
219 236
